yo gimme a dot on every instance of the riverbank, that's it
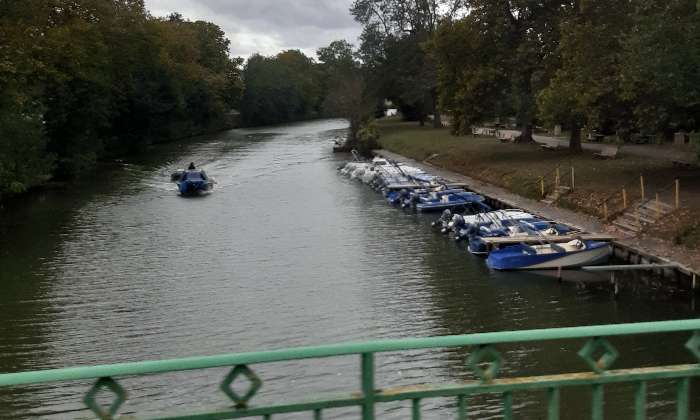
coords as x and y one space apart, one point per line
511 172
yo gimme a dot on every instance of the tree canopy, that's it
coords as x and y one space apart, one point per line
93 78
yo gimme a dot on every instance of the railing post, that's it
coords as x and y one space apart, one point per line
415 409
368 386
462 407
507 405
597 402
553 404
640 401
682 407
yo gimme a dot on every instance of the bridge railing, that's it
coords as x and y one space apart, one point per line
484 359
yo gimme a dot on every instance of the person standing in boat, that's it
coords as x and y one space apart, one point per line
192 168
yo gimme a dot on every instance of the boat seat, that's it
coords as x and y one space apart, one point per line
558 248
527 249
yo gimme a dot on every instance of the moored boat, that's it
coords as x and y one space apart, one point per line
576 253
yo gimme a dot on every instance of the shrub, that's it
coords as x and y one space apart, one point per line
367 139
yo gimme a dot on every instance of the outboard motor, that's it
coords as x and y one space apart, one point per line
443 220
457 222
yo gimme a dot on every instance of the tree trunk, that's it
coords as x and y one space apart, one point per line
575 139
525 135
437 120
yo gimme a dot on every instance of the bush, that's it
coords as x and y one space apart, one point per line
368 139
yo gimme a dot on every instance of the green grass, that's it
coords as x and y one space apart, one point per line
518 167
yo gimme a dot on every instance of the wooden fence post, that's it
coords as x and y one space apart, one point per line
542 185
624 198
641 185
573 178
678 194
658 207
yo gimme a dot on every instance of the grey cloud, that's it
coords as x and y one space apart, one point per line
268 26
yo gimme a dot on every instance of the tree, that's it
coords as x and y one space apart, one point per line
472 82
346 87
659 66
280 88
586 87
83 80
392 41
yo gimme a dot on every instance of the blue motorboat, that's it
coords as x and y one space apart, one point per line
448 199
512 229
193 181
576 253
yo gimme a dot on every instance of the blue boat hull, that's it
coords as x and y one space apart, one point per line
520 257
193 187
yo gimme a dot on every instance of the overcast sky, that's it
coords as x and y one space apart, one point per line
269 26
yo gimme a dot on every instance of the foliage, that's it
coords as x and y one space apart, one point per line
393 47
472 83
345 88
368 139
659 72
280 88
613 66
87 79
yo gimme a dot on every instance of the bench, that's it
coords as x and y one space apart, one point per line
609 152
548 146
683 164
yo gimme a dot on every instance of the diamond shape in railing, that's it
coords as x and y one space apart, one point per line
227 388
693 344
485 355
108 384
610 354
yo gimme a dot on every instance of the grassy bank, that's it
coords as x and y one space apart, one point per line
518 168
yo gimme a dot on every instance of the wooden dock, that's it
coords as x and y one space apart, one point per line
498 242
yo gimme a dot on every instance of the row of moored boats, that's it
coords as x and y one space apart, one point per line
467 217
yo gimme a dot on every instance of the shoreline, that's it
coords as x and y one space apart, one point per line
624 248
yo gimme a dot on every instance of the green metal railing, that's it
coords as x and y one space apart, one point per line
484 359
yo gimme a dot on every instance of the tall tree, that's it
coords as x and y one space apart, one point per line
346 92
660 65
394 35
280 88
586 87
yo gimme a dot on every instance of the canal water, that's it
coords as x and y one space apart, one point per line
284 252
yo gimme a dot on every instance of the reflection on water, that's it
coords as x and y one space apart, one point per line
284 252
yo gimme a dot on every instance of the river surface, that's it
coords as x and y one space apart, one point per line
285 252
